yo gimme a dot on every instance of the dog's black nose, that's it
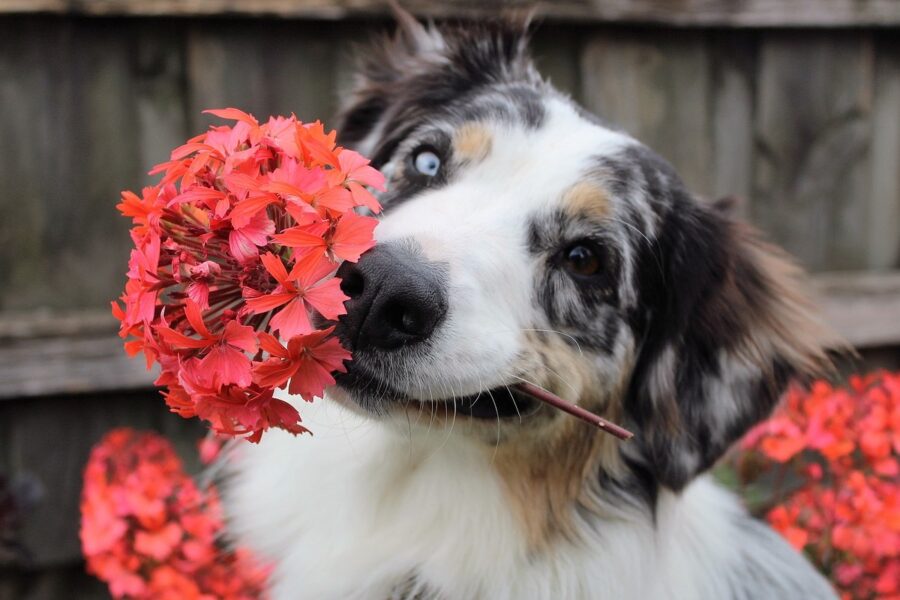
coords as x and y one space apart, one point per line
397 298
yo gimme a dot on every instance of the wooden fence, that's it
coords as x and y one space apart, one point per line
795 107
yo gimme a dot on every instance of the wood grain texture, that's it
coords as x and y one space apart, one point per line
813 128
159 72
557 52
69 104
748 13
70 365
883 222
862 307
733 58
263 68
656 85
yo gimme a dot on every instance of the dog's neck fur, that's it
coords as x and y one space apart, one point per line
364 510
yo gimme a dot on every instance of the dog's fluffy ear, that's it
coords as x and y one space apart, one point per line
381 66
402 78
730 325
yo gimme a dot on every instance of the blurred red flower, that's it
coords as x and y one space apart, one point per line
839 449
149 532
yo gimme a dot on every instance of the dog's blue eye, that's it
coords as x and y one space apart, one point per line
427 163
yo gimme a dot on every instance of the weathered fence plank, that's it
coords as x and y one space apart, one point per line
557 52
733 61
64 122
71 365
883 223
770 13
159 64
263 68
863 307
656 86
813 129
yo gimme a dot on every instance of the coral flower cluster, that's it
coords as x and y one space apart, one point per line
838 452
150 533
231 282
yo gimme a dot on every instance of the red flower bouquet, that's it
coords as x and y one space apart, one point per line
837 452
235 248
150 533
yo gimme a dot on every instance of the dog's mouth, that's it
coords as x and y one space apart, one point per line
375 395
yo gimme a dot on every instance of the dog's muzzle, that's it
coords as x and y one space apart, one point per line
397 299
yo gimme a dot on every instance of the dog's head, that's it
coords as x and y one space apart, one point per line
523 240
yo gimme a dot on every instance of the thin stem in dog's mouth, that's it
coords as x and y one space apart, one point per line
518 399
515 400
573 409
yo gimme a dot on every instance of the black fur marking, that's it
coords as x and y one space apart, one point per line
695 287
638 487
585 308
408 83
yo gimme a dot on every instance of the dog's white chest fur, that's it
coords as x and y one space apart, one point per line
361 511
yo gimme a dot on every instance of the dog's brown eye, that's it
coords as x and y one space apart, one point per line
582 259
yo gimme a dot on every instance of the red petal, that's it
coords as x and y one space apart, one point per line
275 267
311 268
331 355
310 380
227 365
240 336
270 344
306 237
285 189
273 372
242 212
241 182
191 147
233 114
362 197
338 199
241 246
199 293
327 298
292 320
197 194
353 236
179 340
266 303
195 318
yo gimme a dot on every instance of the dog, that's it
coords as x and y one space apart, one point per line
523 239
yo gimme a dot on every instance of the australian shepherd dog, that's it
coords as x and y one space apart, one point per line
524 239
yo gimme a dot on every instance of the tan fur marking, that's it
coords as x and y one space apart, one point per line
472 142
549 473
587 198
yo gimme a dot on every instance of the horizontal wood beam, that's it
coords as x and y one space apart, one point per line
717 13
69 363
44 354
863 307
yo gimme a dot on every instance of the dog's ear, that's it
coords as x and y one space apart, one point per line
402 79
728 325
381 66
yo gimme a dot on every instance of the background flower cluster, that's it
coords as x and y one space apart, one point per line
231 283
150 533
832 455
